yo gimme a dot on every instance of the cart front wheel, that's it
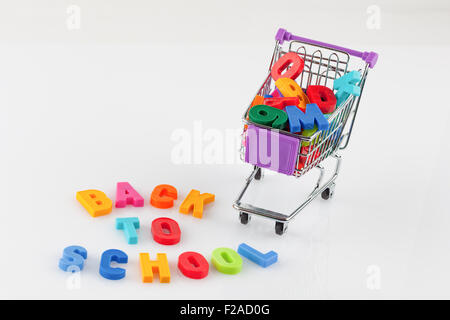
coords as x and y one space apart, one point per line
258 174
244 217
328 192
280 227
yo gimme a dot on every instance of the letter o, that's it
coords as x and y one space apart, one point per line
193 265
227 260
166 231
282 63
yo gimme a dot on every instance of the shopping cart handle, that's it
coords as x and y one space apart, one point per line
369 57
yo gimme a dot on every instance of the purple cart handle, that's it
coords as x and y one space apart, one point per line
369 57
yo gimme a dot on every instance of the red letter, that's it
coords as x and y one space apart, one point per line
281 103
282 63
193 265
166 231
323 97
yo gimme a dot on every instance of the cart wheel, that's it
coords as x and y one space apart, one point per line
244 217
328 192
280 227
259 174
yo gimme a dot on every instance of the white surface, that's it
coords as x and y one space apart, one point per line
88 114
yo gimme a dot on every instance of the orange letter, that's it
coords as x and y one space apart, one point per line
163 196
95 202
148 267
195 201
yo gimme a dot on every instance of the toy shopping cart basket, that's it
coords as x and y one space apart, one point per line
297 154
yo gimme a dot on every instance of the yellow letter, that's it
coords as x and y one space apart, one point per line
290 88
148 267
195 201
95 202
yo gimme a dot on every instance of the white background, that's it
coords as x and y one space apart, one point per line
91 107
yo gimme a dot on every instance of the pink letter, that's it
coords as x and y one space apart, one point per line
127 195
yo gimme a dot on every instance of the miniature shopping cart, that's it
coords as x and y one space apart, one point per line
299 154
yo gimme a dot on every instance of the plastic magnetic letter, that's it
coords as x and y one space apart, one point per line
323 97
257 100
166 231
268 116
226 260
195 201
312 154
346 85
127 195
299 121
163 195
129 226
309 133
105 264
276 93
262 259
148 267
95 202
73 259
281 103
290 88
289 59
193 265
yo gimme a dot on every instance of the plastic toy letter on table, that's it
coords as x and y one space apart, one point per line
328 82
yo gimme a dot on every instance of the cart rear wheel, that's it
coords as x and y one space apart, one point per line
328 192
244 217
258 174
280 227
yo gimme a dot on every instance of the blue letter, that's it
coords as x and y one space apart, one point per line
73 256
264 260
129 225
299 120
346 85
105 264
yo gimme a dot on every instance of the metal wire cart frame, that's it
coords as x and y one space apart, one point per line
323 64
